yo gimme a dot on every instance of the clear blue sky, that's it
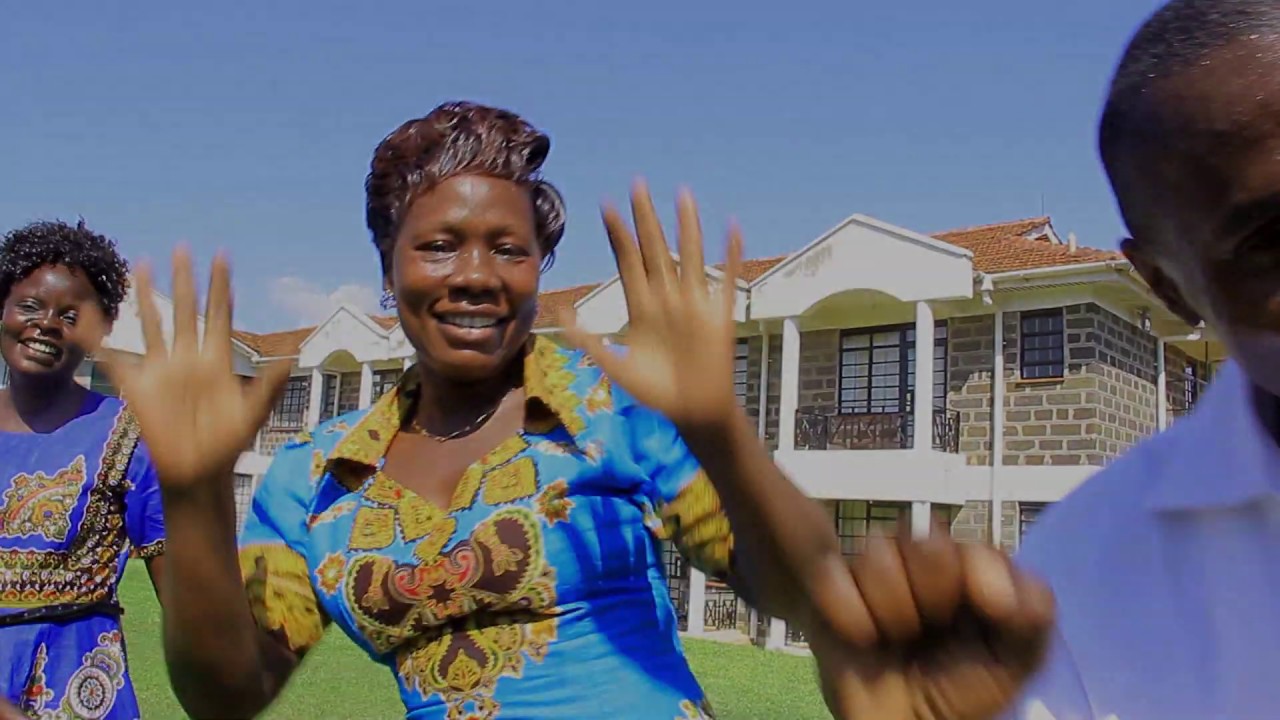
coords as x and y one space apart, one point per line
250 125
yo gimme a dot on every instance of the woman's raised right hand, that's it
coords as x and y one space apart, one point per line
195 414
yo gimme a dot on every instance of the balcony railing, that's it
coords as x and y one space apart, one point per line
873 431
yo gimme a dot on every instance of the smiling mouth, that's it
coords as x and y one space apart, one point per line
43 348
470 322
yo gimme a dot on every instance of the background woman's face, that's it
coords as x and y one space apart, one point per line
464 271
46 322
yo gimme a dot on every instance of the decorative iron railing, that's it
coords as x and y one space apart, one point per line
873 431
721 610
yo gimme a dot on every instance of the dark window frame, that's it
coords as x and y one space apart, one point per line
741 377
906 345
381 385
847 515
329 395
1190 384
1053 368
1028 514
290 412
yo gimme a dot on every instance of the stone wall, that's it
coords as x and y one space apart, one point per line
969 368
973 524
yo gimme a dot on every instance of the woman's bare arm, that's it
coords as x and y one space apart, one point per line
221 664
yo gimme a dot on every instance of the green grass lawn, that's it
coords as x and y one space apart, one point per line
338 681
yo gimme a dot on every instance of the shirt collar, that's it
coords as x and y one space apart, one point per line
1221 456
549 400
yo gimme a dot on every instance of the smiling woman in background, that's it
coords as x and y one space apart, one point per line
77 491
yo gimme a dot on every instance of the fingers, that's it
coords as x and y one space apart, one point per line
120 371
217 314
882 578
732 269
152 335
91 328
988 581
653 245
693 279
635 283
185 342
933 570
262 391
590 343
839 605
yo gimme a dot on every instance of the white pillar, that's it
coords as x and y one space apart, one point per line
316 397
777 634
923 435
997 429
921 519
366 386
790 390
697 602
762 426
1162 395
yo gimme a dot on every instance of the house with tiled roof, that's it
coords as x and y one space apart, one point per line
1046 360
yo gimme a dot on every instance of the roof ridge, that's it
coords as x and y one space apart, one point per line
1041 219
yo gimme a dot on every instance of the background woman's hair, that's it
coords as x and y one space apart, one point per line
29 248
459 138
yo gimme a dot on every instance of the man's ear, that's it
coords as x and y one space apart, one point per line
1148 266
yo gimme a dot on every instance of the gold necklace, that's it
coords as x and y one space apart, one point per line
474 425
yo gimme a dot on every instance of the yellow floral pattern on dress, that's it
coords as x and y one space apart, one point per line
333 513
696 522
554 503
501 566
330 573
318 462
516 480
374 529
464 666
695 711
41 505
600 398
278 586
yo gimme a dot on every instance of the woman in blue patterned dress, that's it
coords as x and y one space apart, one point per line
77 491
489 530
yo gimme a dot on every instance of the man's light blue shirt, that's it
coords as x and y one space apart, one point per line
1166 567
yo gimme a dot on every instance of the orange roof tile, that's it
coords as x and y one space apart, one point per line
276 344
1019 245
551 302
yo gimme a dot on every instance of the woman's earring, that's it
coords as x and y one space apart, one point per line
388 301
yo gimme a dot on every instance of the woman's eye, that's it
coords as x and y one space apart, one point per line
70 317
438 246
511 251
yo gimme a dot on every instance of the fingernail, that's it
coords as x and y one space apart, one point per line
996 581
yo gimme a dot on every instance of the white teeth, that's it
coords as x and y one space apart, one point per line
470 321
42 347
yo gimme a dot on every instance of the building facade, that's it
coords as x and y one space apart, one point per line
1045 361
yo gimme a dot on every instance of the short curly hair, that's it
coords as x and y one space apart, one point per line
459 138
31 247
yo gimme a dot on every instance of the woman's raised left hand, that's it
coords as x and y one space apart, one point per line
681 335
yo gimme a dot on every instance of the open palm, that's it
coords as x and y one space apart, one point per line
680 336
195 414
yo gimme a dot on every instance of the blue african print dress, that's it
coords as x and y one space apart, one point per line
74 504
537 593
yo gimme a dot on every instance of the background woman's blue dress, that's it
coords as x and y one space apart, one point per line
73 503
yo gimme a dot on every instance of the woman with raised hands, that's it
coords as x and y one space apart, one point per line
489 529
